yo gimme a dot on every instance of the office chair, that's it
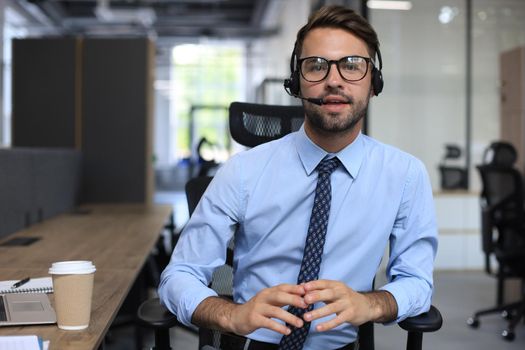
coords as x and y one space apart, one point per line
251 125
452 177
502 229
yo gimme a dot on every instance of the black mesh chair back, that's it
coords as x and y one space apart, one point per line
501 205
500 153
253 124
502 197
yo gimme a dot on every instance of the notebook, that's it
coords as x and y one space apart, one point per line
23 342
25 309
35 285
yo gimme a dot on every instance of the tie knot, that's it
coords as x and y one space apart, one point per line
328 166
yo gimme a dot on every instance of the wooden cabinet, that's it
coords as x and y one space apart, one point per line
512 108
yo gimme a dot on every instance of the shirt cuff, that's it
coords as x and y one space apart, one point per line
189 301
402 300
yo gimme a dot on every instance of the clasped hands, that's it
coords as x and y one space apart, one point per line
340 300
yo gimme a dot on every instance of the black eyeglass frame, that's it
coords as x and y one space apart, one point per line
368 61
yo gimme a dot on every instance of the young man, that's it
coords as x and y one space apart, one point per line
291 293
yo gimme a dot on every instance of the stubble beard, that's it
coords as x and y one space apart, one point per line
334 122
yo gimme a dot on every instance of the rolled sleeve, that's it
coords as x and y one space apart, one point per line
413 246
183 302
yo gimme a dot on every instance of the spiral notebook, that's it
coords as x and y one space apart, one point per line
35 285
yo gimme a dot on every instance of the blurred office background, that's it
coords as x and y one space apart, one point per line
447 65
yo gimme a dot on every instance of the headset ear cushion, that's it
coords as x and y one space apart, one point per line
377 81
294 83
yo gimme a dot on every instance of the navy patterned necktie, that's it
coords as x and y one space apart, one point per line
313 250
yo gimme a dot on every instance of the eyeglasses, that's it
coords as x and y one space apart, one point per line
351 68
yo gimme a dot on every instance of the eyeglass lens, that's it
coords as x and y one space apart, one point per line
351 68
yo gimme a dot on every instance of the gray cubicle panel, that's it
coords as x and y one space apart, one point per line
116 120
36 184
15 190
94 95
44 80
56 181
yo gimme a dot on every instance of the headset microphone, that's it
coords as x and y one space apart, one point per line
317 101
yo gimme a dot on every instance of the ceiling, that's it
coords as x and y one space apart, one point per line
162 18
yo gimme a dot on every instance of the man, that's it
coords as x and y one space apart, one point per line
264 199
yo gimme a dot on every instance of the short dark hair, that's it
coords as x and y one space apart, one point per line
336 16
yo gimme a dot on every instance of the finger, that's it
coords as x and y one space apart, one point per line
326 295
273 325
285 316
316 285
331 324
283 298
291 288
321 312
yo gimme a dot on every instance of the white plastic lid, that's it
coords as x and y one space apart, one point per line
72 267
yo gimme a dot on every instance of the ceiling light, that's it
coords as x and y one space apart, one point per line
389 5
447 14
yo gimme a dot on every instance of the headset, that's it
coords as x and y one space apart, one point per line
292 86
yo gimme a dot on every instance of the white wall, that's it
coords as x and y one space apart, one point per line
458 218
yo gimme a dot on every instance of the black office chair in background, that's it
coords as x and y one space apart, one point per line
251 125
453 177
502 229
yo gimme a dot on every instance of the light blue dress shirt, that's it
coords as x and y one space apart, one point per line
263 197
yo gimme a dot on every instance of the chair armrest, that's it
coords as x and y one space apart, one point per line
429 321
151 313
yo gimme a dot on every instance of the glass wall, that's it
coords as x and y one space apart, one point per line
498 26
424 104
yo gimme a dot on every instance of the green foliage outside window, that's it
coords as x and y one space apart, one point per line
207 78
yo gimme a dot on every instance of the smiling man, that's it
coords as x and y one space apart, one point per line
312 214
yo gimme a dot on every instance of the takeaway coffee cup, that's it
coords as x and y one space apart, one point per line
73 289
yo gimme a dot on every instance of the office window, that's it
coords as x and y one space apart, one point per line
195 84
206 78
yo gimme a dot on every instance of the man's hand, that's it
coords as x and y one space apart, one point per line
347 305
242 319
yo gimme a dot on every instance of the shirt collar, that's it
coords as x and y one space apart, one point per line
310 154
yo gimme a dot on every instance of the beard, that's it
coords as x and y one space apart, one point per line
335 122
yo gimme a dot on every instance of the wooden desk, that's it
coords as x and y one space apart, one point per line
117 238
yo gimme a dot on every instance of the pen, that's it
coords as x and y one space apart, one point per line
20 283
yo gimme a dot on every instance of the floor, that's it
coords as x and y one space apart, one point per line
457 295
